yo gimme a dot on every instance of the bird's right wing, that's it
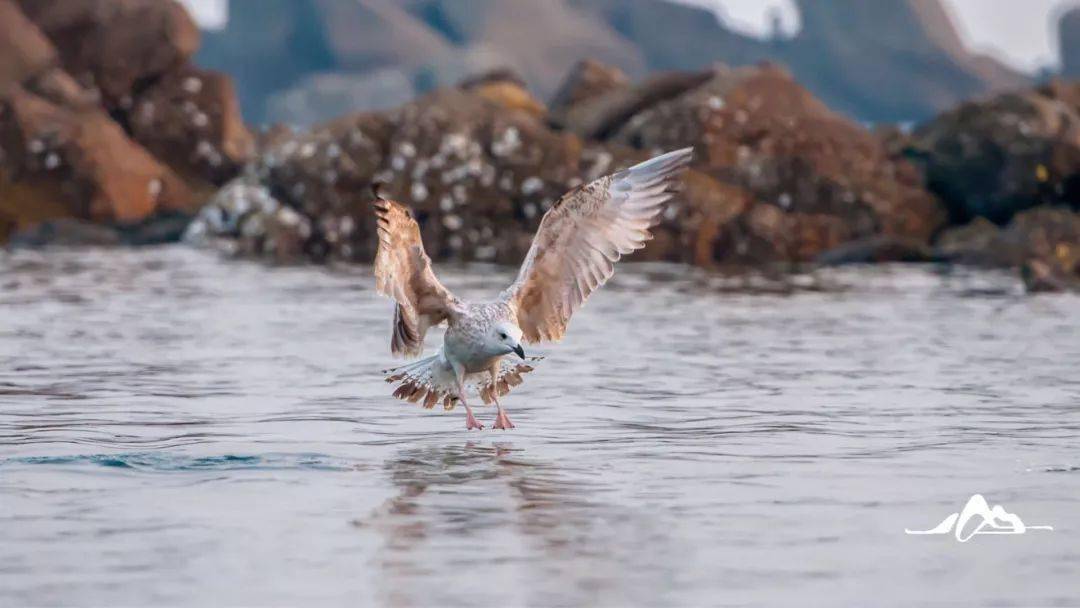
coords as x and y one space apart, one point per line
582 236
403 272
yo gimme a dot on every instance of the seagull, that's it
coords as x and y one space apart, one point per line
572 254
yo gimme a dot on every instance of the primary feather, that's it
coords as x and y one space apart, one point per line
403 272
582 236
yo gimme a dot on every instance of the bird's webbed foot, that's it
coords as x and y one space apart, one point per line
502 421
470 421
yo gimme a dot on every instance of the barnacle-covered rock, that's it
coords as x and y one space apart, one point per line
777 176
994 157
102 121
191 120
815 179
115 46
478 173
62 162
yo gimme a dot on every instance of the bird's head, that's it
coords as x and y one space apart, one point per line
506 337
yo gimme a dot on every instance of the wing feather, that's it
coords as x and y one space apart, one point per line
403 272
582 236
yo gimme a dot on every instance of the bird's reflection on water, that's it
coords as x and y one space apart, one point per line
541 499
479 493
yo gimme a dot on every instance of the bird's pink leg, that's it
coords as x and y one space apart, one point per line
470 421
502 421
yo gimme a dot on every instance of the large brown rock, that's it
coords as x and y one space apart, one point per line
116 46
191 120
815 180
64 162
138 137
994 157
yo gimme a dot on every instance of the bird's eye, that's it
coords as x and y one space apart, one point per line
502 335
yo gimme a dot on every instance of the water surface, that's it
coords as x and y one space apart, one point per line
177 429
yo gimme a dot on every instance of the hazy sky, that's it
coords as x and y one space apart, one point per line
1021 33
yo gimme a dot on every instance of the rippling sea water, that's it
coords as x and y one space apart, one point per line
176 429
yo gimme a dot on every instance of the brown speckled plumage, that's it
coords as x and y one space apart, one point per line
573 253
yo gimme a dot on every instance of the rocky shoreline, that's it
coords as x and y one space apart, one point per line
108 134
104 119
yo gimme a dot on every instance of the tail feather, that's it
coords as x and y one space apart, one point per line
431 379
427 380
509 376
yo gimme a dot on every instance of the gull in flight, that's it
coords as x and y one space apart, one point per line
572 254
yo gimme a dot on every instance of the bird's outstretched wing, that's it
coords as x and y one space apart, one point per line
582 236
403 272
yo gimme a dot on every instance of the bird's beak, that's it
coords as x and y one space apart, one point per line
520 351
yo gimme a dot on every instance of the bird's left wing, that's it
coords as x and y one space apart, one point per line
582 236
403 272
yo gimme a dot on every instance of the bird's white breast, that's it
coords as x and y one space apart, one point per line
467 341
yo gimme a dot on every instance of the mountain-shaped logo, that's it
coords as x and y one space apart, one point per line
977 517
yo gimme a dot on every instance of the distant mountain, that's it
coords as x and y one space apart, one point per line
882 61
889 60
